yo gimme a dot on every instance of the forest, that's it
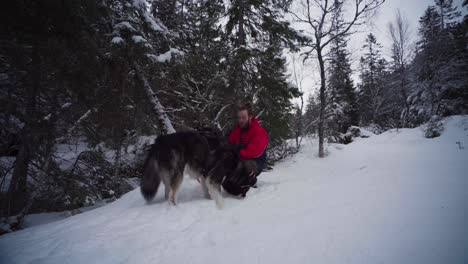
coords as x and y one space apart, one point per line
86 86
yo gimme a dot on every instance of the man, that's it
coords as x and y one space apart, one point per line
250 141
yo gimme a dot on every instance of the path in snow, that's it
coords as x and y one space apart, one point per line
393 198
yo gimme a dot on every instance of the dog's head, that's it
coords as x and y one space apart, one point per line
226 167
238 182
221 163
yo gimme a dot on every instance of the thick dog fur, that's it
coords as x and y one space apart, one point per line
204 155
173 154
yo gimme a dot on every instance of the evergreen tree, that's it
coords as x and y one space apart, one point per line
342 109
373 93
274 95
439 67
447 12
257 73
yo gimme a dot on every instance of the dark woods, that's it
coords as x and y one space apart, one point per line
86 85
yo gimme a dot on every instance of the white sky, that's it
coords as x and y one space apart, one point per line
411 9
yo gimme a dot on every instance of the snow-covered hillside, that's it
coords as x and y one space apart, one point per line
396 197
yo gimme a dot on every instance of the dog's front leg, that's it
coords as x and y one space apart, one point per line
214 190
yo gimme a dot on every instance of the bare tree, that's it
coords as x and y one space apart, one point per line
317 15
401 46
298 79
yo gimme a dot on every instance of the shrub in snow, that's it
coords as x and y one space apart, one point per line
348 137
91 179
374 129
434 127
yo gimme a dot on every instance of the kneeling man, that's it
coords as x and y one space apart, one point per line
250 141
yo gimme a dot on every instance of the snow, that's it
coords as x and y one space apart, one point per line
66 105
167 56
125 25
138 39
44 218
155 24
31 220
117 40
397 197
67 153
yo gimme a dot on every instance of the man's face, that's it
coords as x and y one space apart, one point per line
243 118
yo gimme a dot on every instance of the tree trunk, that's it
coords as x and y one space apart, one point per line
322 103
17 191
158 108
238 80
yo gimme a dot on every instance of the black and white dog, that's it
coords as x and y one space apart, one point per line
203 155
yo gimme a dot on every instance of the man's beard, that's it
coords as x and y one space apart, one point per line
245 126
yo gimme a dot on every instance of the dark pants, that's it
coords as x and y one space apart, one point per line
257 165
260 163
241 182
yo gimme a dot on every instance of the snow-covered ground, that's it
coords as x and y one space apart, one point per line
396 197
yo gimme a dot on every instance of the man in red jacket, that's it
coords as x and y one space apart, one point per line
250 140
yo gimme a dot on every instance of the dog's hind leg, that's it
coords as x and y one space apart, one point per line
174 185
204 187
166 191
214 189
197 175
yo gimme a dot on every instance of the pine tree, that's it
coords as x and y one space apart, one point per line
342 109
373 93
274 95
196 84
447 12
251 27
438 69
257 71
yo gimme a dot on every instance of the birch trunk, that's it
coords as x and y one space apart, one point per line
158 108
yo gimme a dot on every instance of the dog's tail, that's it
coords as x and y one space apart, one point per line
151 179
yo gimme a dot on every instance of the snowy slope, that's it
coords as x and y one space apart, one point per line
396 197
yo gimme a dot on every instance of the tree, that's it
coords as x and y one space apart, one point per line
342 109
375 106
322 32
256 71
274 95
439 67
448 13
400 48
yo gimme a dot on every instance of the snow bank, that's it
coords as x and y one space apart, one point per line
397 197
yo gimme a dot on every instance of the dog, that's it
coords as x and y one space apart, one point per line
237 179
173 154
205 156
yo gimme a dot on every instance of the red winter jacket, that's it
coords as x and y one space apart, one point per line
254 138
